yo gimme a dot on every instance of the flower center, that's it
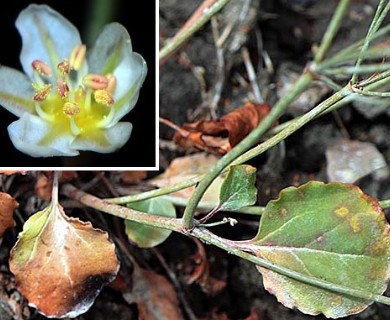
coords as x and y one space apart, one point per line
77 104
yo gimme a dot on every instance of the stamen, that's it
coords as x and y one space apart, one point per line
77 56
111 86
62 87
107 119
42 114
95 81
71 108
43 68
64 67
79 94
41 92
73 127
104 97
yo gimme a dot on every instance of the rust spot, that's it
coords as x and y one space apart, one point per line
341 212
378 248
375 273
355 224
283 212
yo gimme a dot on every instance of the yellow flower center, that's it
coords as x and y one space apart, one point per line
73 105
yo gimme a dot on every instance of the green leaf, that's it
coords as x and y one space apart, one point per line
145 236
333 232
238 189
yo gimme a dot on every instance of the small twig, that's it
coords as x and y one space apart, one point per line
208 9
380 14
208 216
230 221
252 75
220 72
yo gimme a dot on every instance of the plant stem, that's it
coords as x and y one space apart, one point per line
209 205
101 12
380 14
179 39
155 193
385 204
120 211
244 145
331 31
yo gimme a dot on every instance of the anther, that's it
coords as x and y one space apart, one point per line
104 97
64 67
43 68
41 93
77 56
71 108
95 81
62 87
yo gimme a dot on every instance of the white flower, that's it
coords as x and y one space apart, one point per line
69 100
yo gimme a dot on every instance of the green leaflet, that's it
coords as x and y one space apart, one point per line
145 236
238 189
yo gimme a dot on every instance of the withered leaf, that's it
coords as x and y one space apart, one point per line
187 167
7 207
154 295
219 136
200 272
61 263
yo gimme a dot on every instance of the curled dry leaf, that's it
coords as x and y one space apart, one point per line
7 207
211 135
200 272
154 295
61 263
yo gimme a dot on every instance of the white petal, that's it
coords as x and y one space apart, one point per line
16 92
46 36
113 53
27 133
118 135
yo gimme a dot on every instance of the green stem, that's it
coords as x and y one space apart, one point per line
178 40
385 204
156 193
367 68
331 31
101 12
380 14
209 205
244 145
120 211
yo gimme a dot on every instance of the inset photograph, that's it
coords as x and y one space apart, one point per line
78 85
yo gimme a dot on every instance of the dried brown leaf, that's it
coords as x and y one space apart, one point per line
61 263
200 272
219 136
7 206
154 295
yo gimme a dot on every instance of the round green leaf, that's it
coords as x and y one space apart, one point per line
238 190
332 232
145 236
